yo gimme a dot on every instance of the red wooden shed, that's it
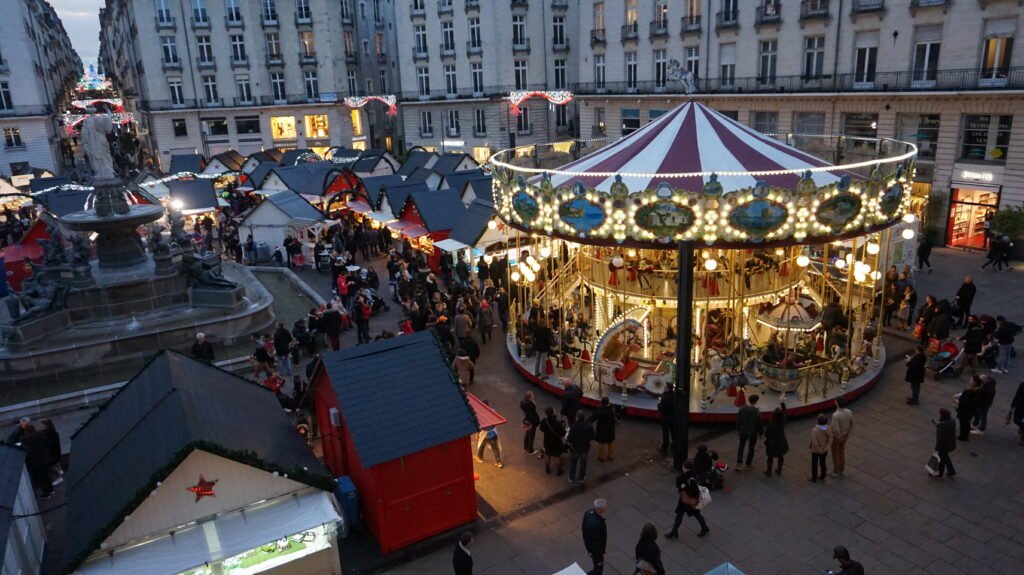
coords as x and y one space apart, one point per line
393 417
429 217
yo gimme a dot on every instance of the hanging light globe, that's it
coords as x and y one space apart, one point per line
803 261
909 218
873 248
711 264
908 234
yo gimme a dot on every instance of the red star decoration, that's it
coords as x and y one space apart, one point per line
204 488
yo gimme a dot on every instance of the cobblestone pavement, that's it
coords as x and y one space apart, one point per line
886 510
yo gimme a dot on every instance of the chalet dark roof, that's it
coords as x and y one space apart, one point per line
295 206
195 194
458 180
193 163
174 405
482 188
340 153
440 209
398 396
12 465
417 159
36 185
420 175
473 223
397 195
62 202
260 173
307 178
271 155
231 159
367 164
290 156
373 185
448 163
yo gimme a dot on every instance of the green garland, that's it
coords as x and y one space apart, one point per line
246 457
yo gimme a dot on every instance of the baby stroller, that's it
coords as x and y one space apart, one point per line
947 361
376 302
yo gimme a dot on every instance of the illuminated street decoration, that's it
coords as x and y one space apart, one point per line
92 80
388 100
115 103
73 121
556 97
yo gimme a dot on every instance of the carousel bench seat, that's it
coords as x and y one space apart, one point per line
627 369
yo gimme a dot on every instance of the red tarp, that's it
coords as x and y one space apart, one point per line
485 414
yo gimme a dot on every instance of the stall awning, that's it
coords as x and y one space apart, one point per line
450 245
359 207
485 414
399 225
414 231
382 217
223 537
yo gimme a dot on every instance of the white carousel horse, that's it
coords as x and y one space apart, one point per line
725 378
660 378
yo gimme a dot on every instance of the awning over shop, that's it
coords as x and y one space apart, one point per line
414 231
450 245
485 414
359 207
220 538
382 217
399 225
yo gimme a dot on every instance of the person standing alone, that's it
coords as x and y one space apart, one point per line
821 440
1005 333
748 424
580 436
964 300
775 444
842 426
945 442
531 419
462 560
595 535
915 374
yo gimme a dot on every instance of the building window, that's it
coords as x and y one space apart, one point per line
378 42
174 88
205 48
985 137
558 30
366 48
519 30
922 130
376 10
632 13
660 69
693 12
170 49
561 116
233 10
163 11
353 87
302 11
317 126
199 11
729 10
727 65
180 127
12 138
426 123
630 121
268 9
474 32
860 125
808 127
423 80
216 126
599 70
356 118
273 46
926 55
5 97
814 57
598 15
995 58
448 35
346 10
312 84
450 84
420 35
283 128
653 115
453 123
866 57
599 125
369 86
631 70
479 122
244 89
210 89
769 55
693 60
766 122
661 13
247 125
519 67
238 48
277 84
477 72
382 80
307 45
559 74
523 125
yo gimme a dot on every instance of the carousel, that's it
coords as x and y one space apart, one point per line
790 237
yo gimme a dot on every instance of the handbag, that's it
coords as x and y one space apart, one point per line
918 330
704 499
932 467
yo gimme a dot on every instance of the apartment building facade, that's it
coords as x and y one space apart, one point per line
460 59
947 75
38 71
212 75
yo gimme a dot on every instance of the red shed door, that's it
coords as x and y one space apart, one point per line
427 513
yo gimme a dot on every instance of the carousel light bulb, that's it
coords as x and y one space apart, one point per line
535 266
803 261
840 264
780 251
515 276
908 234
873 248
705 253
617 262
710 264
545 251
860 276
909 218
529 275
876 275
492 225
632 253
849 258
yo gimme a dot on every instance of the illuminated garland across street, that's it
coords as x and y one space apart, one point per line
388 100
71 121
86 104
557 97
164 180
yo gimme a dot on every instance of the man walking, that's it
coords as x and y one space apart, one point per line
202 349
924 251
666 413
915 374
945 442
580 435
1005 333
330 322
282 350
749 425
595 535
842 426
964 299
531 419
986 396
462 560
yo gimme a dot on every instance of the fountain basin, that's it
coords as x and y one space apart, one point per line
117 243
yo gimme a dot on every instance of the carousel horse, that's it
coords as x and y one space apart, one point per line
730 376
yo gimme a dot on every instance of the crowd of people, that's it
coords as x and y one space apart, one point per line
15 223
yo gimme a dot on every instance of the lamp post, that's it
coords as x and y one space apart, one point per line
684 343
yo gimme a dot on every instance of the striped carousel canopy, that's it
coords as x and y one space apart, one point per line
693 139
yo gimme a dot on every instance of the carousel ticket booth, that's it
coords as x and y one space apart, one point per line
788 256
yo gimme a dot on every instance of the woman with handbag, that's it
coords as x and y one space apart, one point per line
692 498
647 552
554 440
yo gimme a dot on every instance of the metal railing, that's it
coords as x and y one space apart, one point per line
927 3
658 29
861 6
598 36
767 14
630 31
204 64
230 22
447 50
420 53
306 20
262 101
443 8
167 23
813 9
966 79
727 19
466 93
560 45
472 49
472 5
691 24
519 45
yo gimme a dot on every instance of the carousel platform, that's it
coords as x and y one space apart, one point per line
723 409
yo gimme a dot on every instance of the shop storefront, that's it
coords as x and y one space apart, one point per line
974 199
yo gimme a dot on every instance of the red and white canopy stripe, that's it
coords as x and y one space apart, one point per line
689 139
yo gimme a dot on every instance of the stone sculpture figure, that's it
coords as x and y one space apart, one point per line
97 149
81 250
204 276
36 299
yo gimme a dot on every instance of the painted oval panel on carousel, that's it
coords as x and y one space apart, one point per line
665 219
891 199
839 210
758 217
581 214
525 206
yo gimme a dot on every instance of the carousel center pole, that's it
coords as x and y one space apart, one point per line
684 344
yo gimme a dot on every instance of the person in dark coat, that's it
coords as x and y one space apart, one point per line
647 553
202 349
924 251
666 413
53 443
775 444
749 426
531 420
938 325
554 440
462 560
966 405
986 396
595 535
37 461
283 349
945 442
915 374
604 420
925 315
571 401
1016 413
330 323
542 338
686 504
581 434
973 339
964 299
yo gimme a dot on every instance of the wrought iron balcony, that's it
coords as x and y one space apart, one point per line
472 6
269 19
767 14
559 4
171 64
814 10
630 32
234 22
474 49
206 64
520 4
727 19
310 57
420 53
691 24
275 60
928 3
863 6
166 23
598 37
659 29
414 14
303 20
443 8
447 50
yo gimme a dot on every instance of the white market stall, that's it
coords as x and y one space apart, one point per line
282 215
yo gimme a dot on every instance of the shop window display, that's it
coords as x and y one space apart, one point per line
985 137
283 128
969 216
317 126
